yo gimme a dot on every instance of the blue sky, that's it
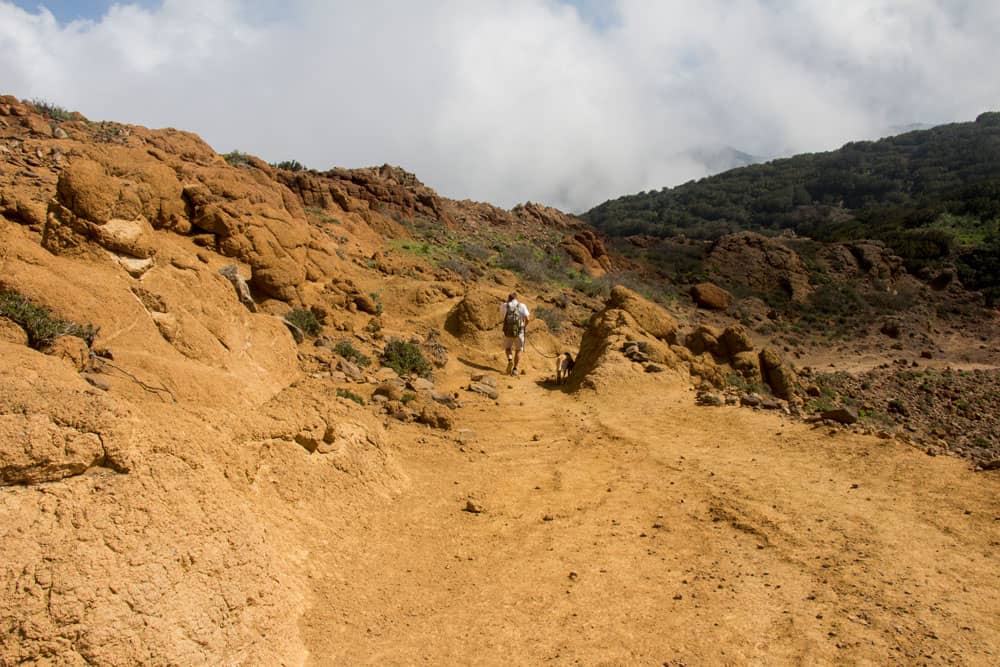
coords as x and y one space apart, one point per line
600 13
511 100
71 10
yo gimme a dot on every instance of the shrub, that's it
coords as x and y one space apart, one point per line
554 319
407 398
351 396
237 159
347 350
40 324
405 358
305 320
378 304
462 269
288 165
51 110
533 263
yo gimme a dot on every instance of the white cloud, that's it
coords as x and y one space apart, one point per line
507 101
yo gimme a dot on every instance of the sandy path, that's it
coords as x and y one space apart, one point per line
640 529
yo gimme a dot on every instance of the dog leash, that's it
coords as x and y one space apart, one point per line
547 356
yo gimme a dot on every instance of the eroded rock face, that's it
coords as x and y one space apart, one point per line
628 330
52 425
117 196
34 449
651 317
761 264
588 250
476 313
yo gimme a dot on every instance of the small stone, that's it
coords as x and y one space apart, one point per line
548 517
473 507
487 390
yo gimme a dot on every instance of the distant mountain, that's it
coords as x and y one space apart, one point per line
910 127
932 195
719 157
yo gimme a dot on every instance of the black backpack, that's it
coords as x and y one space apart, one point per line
512 324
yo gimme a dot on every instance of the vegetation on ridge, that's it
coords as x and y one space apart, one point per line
931 195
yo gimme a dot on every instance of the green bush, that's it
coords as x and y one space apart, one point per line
237 158
554 319
533 263
305 320
351 396
405 358
288 165
347 350
40 324
54 112
407 398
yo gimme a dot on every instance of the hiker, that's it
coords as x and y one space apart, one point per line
515 320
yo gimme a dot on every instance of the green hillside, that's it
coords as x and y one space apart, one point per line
932 195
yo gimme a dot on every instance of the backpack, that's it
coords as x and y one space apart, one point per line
512 320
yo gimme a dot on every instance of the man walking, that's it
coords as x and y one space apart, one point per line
515 320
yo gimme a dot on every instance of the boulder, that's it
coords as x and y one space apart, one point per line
653 319
842 415
704 339
436 416
736 339
390 390
747 364
778 374
709 295
477 312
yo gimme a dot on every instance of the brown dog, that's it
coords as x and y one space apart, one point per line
564 364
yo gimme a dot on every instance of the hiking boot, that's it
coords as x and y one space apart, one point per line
515 372
510 368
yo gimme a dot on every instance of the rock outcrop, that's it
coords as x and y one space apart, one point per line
761 264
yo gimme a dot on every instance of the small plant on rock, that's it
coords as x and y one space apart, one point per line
40 324
351 396
305 320
405 358
237 158
347 350
53 111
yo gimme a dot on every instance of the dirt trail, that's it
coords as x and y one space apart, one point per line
636 528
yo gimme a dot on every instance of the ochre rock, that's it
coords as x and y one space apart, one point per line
778 374
709 295
477 312
761 264
653 319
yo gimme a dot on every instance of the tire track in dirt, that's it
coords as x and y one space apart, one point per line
639 529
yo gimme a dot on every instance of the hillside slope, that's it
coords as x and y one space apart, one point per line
932 195
217 445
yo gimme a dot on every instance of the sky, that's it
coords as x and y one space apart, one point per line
562 102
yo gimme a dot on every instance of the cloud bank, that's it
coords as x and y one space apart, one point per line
566 103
